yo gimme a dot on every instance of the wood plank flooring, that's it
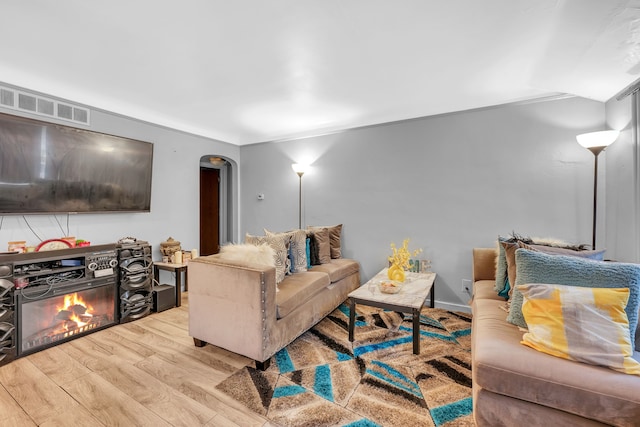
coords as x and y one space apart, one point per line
144 373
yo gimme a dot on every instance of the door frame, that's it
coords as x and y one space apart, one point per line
228 194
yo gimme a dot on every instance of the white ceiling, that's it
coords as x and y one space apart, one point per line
246 71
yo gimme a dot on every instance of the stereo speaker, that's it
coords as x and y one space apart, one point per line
164 297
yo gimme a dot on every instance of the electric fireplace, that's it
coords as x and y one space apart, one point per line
58 314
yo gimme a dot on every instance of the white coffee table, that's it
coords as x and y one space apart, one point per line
410 299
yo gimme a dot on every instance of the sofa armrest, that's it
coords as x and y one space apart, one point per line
484 264
231 304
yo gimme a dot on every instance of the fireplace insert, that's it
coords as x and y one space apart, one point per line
51 315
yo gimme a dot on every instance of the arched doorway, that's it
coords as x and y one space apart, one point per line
216 204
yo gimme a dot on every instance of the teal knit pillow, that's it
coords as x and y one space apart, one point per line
538 267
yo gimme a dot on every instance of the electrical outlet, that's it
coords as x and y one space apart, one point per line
466 286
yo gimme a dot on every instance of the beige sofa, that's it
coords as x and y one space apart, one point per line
516 385
235 306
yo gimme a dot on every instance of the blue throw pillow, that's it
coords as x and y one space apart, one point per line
538 267
504 293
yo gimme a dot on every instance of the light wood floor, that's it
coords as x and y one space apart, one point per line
144 373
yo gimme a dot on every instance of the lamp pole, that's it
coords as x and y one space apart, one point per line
300 173
299 169
596 151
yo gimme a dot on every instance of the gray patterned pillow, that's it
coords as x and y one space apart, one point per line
297 246
280 245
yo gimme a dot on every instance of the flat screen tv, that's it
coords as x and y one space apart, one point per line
49 168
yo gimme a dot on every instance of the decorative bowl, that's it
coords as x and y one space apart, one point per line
390 286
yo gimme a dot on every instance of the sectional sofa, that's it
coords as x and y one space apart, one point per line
514 384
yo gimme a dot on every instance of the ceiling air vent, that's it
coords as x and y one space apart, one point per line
24 101
7 97
27 102
65 111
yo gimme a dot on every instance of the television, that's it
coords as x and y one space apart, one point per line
47 168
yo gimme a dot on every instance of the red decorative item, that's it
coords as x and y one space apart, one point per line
53 244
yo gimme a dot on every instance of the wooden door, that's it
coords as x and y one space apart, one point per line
209 211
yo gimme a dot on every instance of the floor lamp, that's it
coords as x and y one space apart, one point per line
596 142
300 169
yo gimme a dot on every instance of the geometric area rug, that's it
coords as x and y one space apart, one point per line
322 379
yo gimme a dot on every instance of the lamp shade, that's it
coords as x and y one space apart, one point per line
299 168
597 139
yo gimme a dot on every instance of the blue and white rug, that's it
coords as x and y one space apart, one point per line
322 379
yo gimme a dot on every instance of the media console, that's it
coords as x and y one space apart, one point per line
51 297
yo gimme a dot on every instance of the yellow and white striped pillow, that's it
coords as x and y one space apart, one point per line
577 323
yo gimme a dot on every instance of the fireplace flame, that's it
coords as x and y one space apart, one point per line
80 311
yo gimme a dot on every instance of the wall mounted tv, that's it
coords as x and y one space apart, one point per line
49 168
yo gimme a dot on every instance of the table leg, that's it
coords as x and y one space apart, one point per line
186 279
156 275
178 288
432 295
416 331
352 318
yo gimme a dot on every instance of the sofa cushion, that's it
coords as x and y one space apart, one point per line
583 324
297 289
502 365
484 289
536 267
338 269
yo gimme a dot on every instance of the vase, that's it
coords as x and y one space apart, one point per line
396 273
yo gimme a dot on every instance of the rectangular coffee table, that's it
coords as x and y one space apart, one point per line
410 299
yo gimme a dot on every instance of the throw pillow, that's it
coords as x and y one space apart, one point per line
320 236
583 324
504 287
501 267
597 255
510 256
537 267
280 245
335 239
510 252
313 249
548 241
253 254
297 248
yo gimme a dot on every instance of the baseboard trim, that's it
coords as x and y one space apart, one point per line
453 307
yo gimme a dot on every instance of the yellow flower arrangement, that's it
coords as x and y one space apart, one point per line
400 260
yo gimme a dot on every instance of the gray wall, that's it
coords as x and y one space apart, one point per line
622 180
174 199
449 183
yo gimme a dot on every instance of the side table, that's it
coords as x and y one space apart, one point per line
177 269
